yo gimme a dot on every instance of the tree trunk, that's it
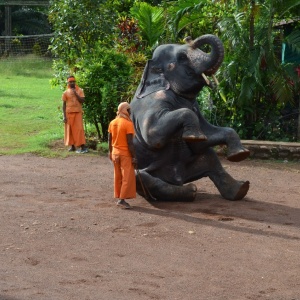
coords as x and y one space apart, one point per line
98 129
251 25
298 130
104 127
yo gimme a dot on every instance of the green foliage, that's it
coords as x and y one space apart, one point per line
252 71
130 42
78 25
26 20
150 22
137 62
293 40
254 84
195 18
122 7
128 39
37 50
82 30
104 76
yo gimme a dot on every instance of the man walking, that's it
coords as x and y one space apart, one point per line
72 99
121 153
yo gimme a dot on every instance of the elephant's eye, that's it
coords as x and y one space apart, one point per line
182 57
190 72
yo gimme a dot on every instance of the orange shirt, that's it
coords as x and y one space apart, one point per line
72 104
118 128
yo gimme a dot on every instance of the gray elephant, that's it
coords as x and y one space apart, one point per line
173 141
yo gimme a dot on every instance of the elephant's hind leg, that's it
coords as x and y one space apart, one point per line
153 188
242 190
228 187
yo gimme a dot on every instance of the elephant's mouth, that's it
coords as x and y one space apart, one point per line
208 81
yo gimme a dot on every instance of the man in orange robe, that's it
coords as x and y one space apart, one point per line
121 153
72 99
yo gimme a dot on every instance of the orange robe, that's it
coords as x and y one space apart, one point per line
124 174
74 131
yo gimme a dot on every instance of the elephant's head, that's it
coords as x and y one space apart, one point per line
182 68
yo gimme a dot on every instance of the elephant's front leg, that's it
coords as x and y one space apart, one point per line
154 189
164 125
222 135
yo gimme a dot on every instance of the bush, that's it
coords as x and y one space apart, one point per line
104 75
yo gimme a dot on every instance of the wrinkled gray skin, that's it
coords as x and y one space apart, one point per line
173 141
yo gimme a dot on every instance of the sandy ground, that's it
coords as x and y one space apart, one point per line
62 236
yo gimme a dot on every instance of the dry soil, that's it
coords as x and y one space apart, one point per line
63 237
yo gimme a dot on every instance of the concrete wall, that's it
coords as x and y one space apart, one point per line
273 150
269 150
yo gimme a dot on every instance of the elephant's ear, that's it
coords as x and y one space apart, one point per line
153 80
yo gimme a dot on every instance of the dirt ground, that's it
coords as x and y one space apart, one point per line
62 236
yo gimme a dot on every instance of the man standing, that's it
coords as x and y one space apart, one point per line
72 99
121 153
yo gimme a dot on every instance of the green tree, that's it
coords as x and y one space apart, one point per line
27 20
257 84
83 29
78 25
104 76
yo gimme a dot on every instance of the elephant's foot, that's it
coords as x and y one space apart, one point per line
243 190
239 155
237 191
228 187
154 189
193 134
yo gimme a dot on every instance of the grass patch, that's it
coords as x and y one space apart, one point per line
30 110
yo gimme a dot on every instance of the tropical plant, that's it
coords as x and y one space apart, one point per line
128 38
104 76
258 84
130 42
195 18
151 22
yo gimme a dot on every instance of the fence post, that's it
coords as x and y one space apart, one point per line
7 27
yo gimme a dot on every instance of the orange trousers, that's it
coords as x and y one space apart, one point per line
74 132
124 177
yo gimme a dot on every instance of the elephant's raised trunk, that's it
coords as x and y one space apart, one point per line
210 62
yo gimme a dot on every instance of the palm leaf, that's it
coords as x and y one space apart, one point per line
283 6
247 90
282 89
293 40
150 21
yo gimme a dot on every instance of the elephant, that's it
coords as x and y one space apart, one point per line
174 143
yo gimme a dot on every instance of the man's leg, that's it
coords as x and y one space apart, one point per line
69 139
77 130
